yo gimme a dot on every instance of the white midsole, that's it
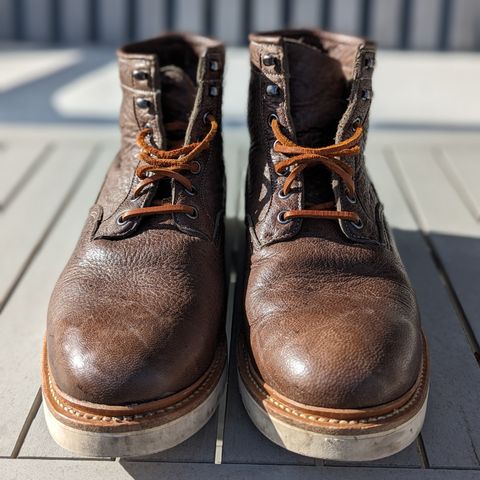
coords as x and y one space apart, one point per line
348 448
139 442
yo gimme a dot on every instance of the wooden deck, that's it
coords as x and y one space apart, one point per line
429 184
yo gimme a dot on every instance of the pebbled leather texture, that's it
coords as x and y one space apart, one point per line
138 311
331 317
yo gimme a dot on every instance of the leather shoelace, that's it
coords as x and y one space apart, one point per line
302 157
159 164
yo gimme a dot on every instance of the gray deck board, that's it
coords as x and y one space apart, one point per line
441 206
23 319
438 207
455 383
17 164
31 212
427 184
39 444
73 470
461 166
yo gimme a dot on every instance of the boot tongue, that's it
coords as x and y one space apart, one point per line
318 99
178 98
318 93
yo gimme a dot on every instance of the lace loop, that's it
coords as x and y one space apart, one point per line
299 158
159 164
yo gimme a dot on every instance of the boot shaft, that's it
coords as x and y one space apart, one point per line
170 85
318 85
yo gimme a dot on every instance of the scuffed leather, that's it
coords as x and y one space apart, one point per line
332 319
138 311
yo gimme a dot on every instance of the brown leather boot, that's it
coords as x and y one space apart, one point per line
333 362
134 360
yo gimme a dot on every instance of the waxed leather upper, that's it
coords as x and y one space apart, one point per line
331 317
138 311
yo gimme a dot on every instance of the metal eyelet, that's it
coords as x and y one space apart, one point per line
120 221
358 224
369 62
284 173
273 89
356 122
282 196
140 75
351 198
143 103
214 66
198 167
268 60
271 118
213 91
193 215
192 192
281 217
366 94
205 119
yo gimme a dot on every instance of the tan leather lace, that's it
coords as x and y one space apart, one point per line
159 164
302 157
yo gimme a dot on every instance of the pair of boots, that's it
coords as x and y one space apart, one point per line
332 362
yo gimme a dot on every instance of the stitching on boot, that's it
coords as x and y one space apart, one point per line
130 418
317 418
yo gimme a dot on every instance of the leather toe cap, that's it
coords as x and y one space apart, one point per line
359 358
128 365
333 331
126 329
